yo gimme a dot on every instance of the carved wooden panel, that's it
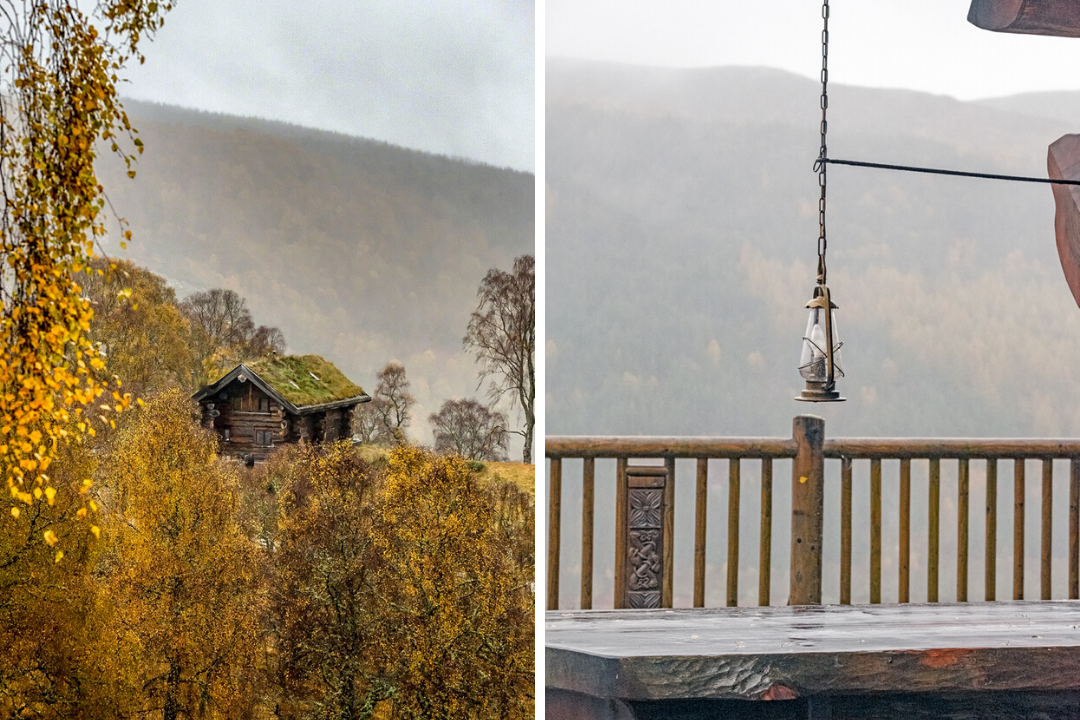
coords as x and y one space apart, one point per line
644 550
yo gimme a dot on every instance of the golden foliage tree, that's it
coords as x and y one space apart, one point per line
454 591
57 101
180 569
400 591
61 656
144 338
324 616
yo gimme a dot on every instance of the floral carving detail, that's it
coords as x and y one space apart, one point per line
645 508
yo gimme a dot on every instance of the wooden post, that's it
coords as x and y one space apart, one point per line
734 487
646 533
1074 529
668 591
933 530
845 531
991 529
875 531
620 532
1019 493
962 514
700 506
807 510
588 505
765 548
905 530
1047 524
554 517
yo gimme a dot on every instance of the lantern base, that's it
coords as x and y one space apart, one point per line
817 392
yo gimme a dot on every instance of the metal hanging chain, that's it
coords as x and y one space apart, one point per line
823 154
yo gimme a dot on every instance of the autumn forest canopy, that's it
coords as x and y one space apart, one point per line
144 573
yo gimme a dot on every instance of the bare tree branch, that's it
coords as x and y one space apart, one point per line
502 336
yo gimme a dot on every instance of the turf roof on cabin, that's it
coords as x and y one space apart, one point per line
305 379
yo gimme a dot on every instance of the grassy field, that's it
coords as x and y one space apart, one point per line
522 475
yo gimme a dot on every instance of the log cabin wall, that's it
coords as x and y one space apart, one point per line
249 420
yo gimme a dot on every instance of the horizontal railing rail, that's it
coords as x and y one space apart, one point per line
644 555
577 446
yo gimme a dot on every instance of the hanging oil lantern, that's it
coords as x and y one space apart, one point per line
820 363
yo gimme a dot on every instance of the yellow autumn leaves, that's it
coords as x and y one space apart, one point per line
60 99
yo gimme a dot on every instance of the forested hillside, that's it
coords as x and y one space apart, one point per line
358 250
681 232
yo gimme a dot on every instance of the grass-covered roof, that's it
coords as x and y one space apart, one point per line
305 379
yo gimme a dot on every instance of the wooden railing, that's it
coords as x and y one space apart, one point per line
647 565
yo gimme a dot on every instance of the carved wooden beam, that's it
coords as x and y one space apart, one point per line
1059 18
1063 163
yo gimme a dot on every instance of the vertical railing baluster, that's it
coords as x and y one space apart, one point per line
734 483
765 549
875 531
1019 489
905 530
1074 528
668 595
934 530
963 513
991 529
620 533
1047 524
700 505
845 531
588 511
554 518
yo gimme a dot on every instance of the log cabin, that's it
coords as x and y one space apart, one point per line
257 407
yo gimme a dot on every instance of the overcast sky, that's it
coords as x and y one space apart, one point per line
916 44
453 77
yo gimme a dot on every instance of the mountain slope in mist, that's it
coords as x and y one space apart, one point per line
358 250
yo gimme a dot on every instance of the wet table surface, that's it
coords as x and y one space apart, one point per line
789 652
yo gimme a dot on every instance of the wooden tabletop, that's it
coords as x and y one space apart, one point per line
789 652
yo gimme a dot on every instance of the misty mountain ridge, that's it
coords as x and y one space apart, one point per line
360 251
316 138
682 227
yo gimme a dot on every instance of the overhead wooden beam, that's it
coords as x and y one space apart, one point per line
1059 18
1063 163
